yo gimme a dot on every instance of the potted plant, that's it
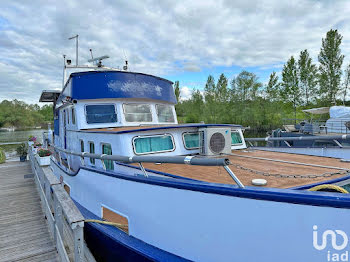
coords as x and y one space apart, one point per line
43 157
36 146
31 140
22 151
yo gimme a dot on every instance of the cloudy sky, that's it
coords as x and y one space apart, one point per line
178 40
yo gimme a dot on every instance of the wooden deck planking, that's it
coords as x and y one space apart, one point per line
24 234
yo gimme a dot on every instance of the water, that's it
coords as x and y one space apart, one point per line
17 136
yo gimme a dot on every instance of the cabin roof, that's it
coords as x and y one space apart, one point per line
117 84
131 129
49 95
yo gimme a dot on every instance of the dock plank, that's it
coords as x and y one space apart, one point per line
24 233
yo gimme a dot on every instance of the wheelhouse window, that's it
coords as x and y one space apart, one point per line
236 138
153 144
96 114
92 151
137 112
165 113
191 140
107 149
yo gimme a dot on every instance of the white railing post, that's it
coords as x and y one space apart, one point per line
78 235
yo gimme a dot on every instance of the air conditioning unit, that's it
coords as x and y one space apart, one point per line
215 140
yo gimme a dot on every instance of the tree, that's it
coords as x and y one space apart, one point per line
210 96
177 90
221 86
246 86
331 60
290 84
272 87
346 82
307 73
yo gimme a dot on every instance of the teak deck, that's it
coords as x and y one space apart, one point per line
24 234
219 175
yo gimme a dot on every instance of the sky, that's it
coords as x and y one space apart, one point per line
177 40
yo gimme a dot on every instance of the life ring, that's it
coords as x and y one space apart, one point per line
329 188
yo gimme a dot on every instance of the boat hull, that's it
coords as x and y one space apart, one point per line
212 222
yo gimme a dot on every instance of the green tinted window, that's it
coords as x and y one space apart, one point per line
107 149
236 138
152 144
191 140
92 151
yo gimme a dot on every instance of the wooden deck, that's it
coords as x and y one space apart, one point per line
219 175
24 234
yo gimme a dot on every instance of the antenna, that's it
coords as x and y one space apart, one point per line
92 57
76 47
125 68
99 59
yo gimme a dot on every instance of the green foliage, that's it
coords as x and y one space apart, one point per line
21 115
44 152
290 91
307 74
331 60
346 82
272 88
2 156
22 149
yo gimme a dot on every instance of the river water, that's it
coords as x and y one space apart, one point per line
17 136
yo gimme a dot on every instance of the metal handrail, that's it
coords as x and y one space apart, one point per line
298 138
189 160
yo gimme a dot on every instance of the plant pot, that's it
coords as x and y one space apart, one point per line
23 158
34 150
30 143
43 161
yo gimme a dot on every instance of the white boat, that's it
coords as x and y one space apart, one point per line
122 156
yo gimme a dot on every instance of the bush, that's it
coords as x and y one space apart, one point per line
2 156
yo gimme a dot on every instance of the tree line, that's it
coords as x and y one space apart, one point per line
245 100
18 114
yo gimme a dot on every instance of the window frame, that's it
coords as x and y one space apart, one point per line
82 147
238 144
101 104
73 115
154 152
183 140
150 106
172 111
92 160
104 144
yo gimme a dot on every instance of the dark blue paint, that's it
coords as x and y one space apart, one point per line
117 84
108 243
269 194
56 127
332 181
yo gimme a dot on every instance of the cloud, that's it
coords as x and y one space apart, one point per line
185 93
163 38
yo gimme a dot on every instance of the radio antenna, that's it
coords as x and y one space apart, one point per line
76 47
92 57
126 62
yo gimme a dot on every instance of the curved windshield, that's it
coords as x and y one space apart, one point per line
137 112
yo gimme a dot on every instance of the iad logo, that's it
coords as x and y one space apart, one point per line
337 245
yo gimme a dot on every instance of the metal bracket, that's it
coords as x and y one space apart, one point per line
238 182
143 170
338 143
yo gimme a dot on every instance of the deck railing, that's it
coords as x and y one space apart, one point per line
65 221
189 160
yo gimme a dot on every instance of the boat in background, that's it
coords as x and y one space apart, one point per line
179 192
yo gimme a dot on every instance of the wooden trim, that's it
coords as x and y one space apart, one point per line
112 216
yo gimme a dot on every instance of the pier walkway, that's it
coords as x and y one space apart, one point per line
24 232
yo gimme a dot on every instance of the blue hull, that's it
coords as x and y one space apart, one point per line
108 243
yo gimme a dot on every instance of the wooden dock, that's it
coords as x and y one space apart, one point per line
24 232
